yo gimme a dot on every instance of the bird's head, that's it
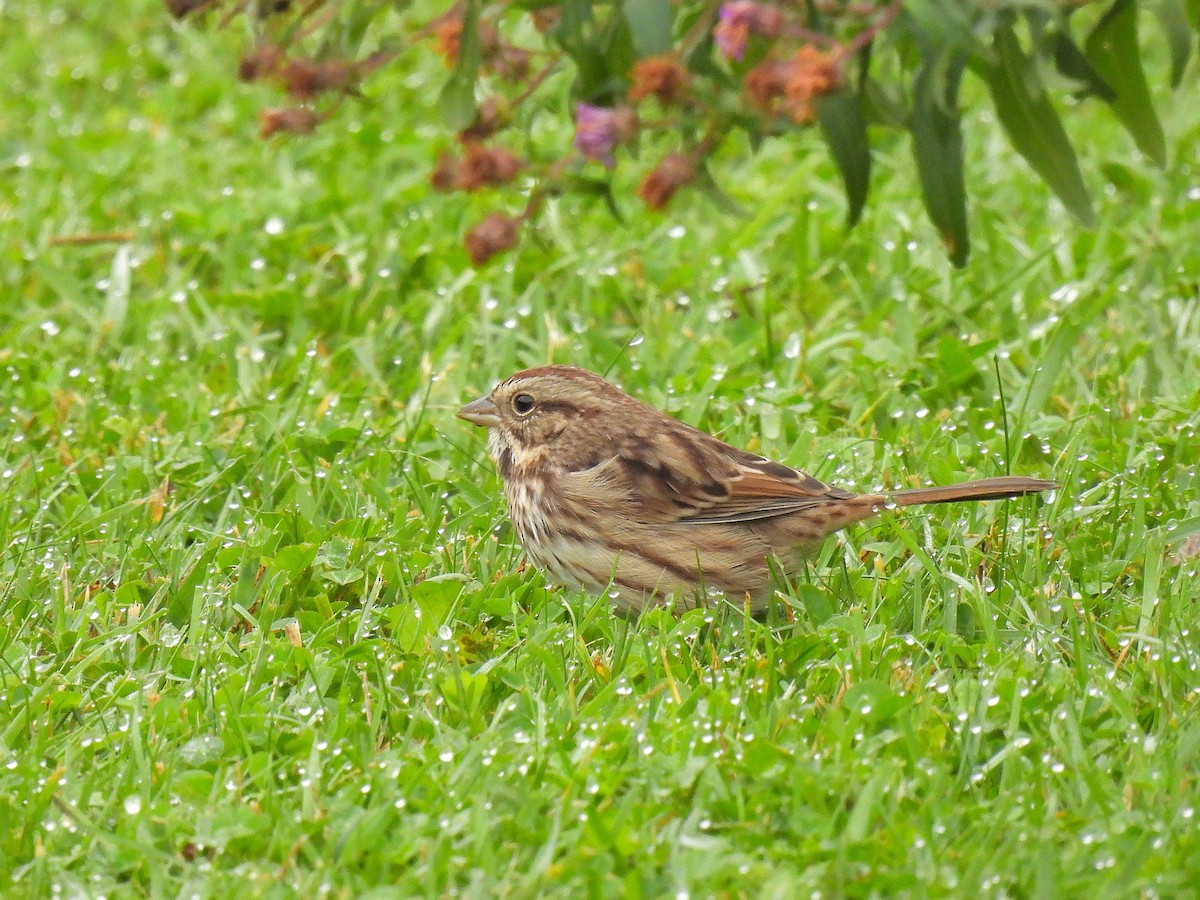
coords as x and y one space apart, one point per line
556 416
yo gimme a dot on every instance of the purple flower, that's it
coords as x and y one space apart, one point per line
598 130
733 31
739 20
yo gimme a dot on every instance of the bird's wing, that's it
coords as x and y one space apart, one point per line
682 475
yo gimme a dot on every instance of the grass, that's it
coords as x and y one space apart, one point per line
264 628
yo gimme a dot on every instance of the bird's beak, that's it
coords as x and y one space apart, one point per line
481 412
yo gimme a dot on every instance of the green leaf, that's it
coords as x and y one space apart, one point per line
650 22
620 53
707 185
1112 49
574 17
1174 532
883 104
1033 125
595 187
845 129
1174 18
866 807
457 100
295 559
1193 13
938 149
344 577
941 24
1070 61
1128 182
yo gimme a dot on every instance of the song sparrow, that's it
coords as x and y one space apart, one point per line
607 493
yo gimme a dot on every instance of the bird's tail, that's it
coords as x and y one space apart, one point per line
984 489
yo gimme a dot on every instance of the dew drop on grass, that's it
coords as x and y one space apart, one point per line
133 805
273 225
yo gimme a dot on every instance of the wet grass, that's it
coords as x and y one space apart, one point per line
263 628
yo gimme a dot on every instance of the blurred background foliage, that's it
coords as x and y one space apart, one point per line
683 78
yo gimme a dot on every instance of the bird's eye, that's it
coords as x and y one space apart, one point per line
523 404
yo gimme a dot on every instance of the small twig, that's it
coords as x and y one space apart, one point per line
318 22
799 32
232 14
85 240
537 81
865 37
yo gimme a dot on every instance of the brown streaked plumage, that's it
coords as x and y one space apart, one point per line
606 492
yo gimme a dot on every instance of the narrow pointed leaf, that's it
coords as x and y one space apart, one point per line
939 24
845 129
1070 61
1033 125
1112 49
1174 18
574 17
883 105
596 187
936 128
650 22
457 100
707 185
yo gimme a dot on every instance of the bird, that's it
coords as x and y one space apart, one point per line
609 495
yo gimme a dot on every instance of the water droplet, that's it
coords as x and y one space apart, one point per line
791 346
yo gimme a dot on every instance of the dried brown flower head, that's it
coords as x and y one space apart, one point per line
289 119
304 79
444 177
447 36
493 235
764 85
486 167
262 61
662 76
811 73
675 171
